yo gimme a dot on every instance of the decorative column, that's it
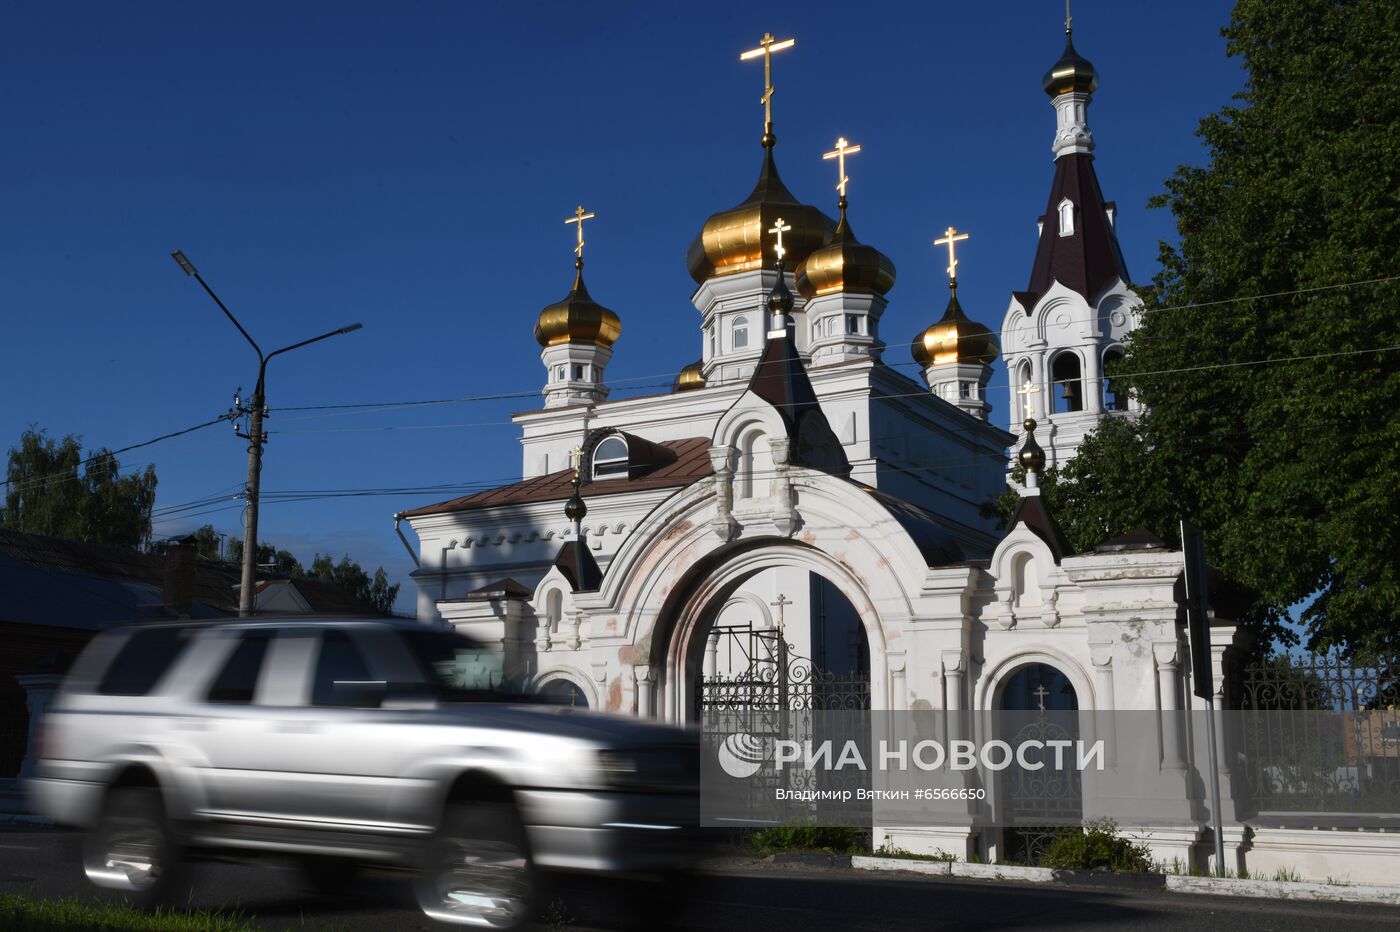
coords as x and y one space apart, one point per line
780 491
1101 655
646 691
1168 702
722 460
712 653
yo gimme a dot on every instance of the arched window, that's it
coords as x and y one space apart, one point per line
553 610
712 343
564 692
1066 210
1115 397
741 332
1069 385
753 462
610 458
1018 400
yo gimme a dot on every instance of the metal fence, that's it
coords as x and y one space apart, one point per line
1323 736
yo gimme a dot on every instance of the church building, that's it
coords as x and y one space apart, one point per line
795 501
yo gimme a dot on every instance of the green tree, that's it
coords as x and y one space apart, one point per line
53 489
350 576
268 558
1274 421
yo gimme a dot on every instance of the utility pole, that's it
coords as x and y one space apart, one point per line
256 410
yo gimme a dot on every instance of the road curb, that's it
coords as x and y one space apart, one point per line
1285 890
1173 883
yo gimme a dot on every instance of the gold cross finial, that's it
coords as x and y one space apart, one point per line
578 217
950 239
1028 390
780 228
843 149
576 460
766 47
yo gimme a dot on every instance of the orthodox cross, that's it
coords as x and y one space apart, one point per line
1028 390
783 602
950 239
842 150
1040 693
766 47
576 461
780 228
1067 17
578 217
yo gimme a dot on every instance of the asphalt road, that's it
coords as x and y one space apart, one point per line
738 897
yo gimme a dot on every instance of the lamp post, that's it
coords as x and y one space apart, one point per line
256 438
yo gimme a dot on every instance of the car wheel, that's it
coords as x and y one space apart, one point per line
132 849
477 871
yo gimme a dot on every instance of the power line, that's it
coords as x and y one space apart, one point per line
533 392
32 481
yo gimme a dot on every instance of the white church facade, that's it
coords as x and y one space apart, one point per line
792 485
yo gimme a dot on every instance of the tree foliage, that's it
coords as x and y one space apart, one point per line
350 576
347 574
54 490
1271 377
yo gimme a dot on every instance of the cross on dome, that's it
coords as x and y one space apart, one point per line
766 47
950 239
1028 389
842 150
780 228
578 217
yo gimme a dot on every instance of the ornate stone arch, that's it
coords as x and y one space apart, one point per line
674 565
570 675
989 684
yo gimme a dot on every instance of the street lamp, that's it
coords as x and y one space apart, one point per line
255 436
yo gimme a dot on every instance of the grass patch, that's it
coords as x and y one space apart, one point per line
811 838
32 914
889 851
1097 847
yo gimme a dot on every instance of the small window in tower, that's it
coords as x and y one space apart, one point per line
712 344
578 372
1066 217
610 458
1115 397
964 389
741 332
558 373
1069 390
852 323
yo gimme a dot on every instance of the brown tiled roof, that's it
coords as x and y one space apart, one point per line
692 462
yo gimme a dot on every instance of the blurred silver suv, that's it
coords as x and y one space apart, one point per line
346 743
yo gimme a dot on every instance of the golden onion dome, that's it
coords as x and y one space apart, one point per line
735 240
844 265
691 377
955 338
1073 72
577 319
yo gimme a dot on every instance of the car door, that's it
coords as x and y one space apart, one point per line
333 756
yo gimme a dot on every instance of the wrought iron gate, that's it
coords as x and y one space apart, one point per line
773 693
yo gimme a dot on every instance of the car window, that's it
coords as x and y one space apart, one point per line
238 679
458 667
142 661
342 677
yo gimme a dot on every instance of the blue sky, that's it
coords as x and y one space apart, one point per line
409 166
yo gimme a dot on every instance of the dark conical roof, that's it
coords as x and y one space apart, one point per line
1089 259
781 380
